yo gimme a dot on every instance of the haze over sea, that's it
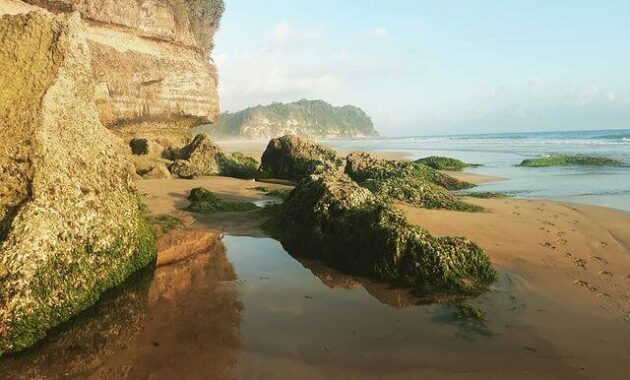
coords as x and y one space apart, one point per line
499 153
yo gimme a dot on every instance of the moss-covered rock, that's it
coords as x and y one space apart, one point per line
418 192
238 165
294 158
331 218
444 163
361 166
71 223
416 184
570 160
199 158
205 202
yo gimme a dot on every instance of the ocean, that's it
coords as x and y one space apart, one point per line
499 153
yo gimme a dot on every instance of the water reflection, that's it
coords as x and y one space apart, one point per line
179 319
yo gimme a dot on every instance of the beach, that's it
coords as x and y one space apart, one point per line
228 301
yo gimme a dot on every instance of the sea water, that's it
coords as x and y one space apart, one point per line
500 153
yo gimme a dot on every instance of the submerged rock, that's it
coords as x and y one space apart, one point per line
331 218
293 158
70 222
406 181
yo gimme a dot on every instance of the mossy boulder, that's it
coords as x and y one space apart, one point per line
405 181
444 163
238 165
331 218
570 160
361 166
201 158
205 202
295 158
71 223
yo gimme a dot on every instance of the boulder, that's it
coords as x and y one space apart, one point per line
70 222
200 157
293 158
331 218
406 181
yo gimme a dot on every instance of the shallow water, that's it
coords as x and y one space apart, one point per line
245 309
499 153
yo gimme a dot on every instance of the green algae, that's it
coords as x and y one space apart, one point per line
331 218
238 165
206 202
485 194
280 193
408 182
29 327
467 312
444 163
570 160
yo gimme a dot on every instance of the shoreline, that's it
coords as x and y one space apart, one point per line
567 265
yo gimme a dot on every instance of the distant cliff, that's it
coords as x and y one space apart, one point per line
310 118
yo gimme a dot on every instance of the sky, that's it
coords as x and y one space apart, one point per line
434 67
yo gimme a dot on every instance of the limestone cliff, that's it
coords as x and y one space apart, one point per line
70 223
307 118
150 61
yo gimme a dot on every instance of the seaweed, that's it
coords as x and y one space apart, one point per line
444 163
205 202
237 165
570 160
331 218
406 181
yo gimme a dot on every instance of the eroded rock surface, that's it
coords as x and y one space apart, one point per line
71 226
331 218
293 158
149 59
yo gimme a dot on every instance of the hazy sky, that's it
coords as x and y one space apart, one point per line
434 67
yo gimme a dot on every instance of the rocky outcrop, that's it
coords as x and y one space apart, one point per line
406 181
199 158
308 118
294 158
149 60
331 218
71 226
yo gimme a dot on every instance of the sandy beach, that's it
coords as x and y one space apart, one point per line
567 266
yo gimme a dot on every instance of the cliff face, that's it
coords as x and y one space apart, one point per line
150 60
307 118
70 223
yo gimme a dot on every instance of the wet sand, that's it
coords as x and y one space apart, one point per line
241 307
568 267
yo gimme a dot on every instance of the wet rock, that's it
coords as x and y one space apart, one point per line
331 218
71 224
406 181
294 158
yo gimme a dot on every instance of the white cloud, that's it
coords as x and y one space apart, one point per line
379 32
283 33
